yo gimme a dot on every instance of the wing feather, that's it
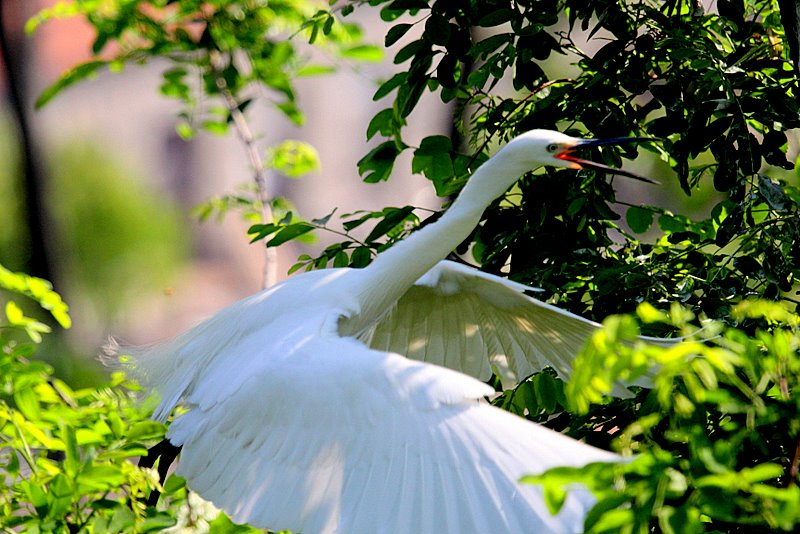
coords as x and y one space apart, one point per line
346 439
476 323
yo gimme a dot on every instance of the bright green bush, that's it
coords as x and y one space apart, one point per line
716 444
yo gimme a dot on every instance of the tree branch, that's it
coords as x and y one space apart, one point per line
270 271
13 57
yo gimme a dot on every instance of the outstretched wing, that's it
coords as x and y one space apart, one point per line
340 438
478 323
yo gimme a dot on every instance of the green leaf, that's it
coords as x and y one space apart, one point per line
81 72
36 496
650 314
322 221
145 430
639 219
308 71
59 10
410 50
377 165
433 159
287 233
408 96
391 84
100 478
340 259
291 111
554 497
395 33
614 521
393 217
772 192
383 123
122 520
260 231
367 53
360 257
762 473
184 130
437 30
223 525
28 403
14 313
215 127
293 158
669 223
72 454
174 483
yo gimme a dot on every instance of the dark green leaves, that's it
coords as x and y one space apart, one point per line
283 232
390 85
386 123
392 218
639 219
202 39
395 33
377 165
433 158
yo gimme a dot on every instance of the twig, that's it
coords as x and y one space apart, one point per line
270 272
794 469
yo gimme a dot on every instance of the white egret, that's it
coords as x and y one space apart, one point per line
303 415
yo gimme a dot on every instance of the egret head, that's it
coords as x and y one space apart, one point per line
547 147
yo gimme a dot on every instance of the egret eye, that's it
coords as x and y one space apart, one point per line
552 148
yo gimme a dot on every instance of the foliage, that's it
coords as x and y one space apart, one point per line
65 455
235 46
716 439
716 443
222 56
716 90
706 84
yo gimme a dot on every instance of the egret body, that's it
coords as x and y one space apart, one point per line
315 405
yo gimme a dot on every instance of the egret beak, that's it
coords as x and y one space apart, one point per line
568 155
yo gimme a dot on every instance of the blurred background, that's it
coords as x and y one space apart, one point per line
103 209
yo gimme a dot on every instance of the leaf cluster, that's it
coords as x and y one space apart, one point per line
716 440
63 452
216 49
713 87
67 456
393 224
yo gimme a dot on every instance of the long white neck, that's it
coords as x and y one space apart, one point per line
391 274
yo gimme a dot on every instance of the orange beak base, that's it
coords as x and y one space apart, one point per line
568 155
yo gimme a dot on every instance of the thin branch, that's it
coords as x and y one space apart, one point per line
270 272
794 469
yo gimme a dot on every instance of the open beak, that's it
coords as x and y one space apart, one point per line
568 155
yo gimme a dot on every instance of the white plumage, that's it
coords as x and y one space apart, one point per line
305 414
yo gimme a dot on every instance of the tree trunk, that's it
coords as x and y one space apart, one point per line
14 53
